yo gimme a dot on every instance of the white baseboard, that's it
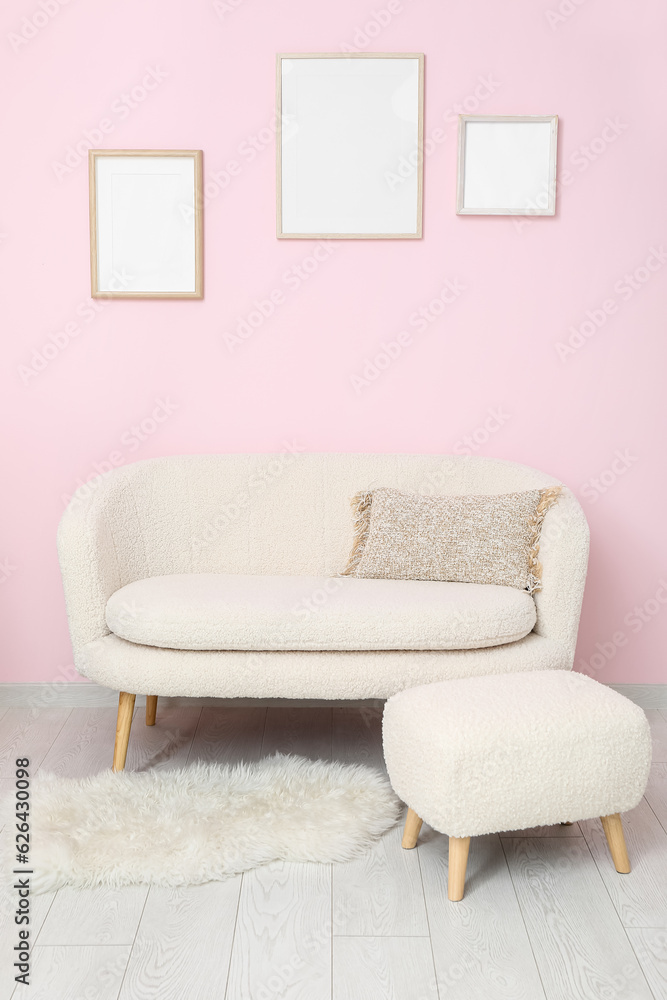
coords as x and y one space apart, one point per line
84 695
63 694
644 695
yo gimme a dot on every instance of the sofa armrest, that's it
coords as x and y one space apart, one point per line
564 557
91 564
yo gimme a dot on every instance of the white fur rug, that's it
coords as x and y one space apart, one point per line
204 822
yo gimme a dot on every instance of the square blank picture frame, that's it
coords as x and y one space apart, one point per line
146 223
507 165
349 145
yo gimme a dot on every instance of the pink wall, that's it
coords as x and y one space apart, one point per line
599 65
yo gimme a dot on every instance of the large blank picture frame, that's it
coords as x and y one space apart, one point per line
349 145
507 165
146 223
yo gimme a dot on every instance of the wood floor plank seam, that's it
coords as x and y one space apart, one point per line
45 919
52 744
140 711
194 735
65 721
547 836
231 950
523 918
641 964
428 922
389 937
134 941
263 736
654 813
73 945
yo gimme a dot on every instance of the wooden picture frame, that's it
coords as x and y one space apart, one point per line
314 133
507 165
146 208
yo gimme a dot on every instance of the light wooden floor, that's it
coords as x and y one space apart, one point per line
545 916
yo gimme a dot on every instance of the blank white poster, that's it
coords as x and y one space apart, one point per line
349 153
508 167
146 223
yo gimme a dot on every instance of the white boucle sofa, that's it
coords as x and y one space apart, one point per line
217 575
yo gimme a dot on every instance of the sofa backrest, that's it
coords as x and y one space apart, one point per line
274 514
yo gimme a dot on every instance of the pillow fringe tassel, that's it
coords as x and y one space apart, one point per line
361 520
547 500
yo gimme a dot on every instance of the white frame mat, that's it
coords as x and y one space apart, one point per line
507 165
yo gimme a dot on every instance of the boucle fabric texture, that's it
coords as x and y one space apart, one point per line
220 611
286 514
464 539
129 666
509 752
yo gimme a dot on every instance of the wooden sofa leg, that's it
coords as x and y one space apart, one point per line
613 831
151 709
123 725
413 825
458 862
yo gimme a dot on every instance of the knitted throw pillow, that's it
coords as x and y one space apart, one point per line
461 539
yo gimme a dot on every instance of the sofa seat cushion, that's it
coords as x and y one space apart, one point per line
238 612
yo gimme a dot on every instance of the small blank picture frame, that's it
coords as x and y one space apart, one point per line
146 223
507 165
349 145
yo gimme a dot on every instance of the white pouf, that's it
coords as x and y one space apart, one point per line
510 751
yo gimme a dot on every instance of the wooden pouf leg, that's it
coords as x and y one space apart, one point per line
613 831
458 862
151 709
123 725
413 825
